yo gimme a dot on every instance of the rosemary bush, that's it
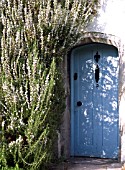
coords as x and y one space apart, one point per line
36 35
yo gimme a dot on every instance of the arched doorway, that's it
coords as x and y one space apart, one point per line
94 101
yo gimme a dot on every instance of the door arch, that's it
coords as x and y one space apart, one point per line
94 101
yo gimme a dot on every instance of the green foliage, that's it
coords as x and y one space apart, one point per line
36 35
11 168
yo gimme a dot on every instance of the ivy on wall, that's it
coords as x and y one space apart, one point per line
36 35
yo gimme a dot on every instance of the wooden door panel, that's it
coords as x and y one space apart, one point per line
95 122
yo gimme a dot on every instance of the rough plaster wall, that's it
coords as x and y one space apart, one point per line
110 19
122 108
64 132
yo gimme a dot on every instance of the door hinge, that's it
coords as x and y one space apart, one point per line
75 76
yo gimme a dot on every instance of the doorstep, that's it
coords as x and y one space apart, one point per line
82 163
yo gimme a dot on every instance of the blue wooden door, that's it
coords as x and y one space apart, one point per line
94 101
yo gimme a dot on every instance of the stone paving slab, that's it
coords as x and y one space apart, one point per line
90 164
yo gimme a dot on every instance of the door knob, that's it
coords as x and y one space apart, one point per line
79 103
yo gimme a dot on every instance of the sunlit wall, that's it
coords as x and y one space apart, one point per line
110 18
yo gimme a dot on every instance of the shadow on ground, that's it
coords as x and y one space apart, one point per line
89 164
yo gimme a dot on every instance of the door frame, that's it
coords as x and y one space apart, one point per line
72 152
72 101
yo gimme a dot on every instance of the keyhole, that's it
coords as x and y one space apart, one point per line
79 103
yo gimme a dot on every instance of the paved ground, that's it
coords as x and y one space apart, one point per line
89 164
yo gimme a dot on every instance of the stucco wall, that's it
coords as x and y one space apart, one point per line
110 19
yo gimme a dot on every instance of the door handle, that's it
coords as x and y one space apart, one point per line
79 103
